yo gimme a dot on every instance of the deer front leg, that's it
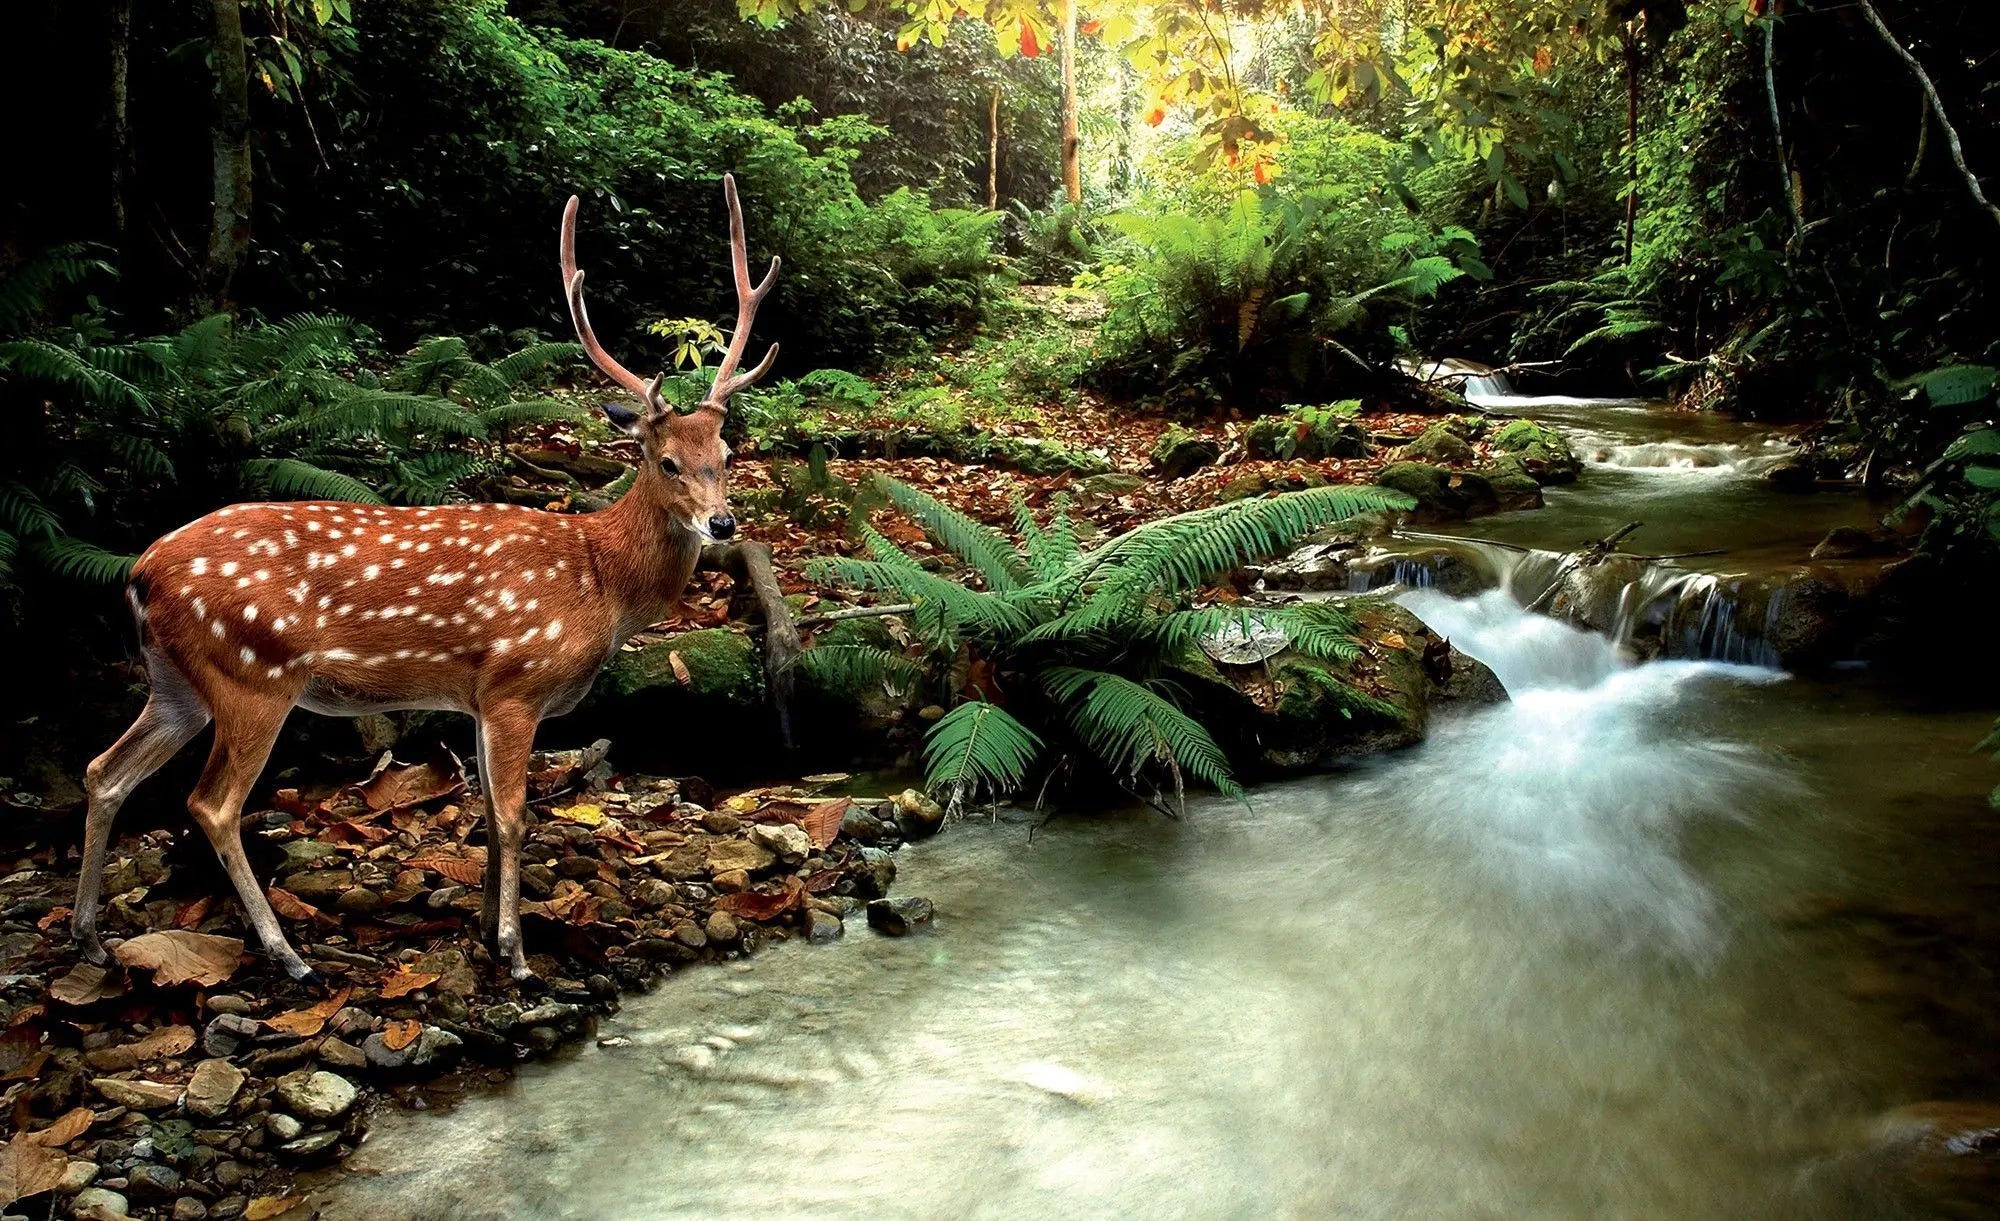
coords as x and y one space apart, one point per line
506 738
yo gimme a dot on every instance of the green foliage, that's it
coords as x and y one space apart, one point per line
1079 635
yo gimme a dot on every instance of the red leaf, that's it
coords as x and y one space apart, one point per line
1029 46
822 822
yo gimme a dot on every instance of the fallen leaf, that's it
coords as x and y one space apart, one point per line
263 1208
822 822
181 957
742 803
28 1167
161 1043
761 905
583 812
291 907
465 870
194 913
21 1053
66 1128
681 674
305 1023
398 1035
85 984
1395 640
395 785
406 981
55 916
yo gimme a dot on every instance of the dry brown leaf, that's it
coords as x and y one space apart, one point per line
291 907
406 981
28 1167
681 674
305 1023
263 1208
760 905
1394 640
66 1128
85 984
398 1035
464 870
395 785
162 1043
55 916
822 822
194 913
181 957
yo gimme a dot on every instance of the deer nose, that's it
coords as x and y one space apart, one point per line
722 525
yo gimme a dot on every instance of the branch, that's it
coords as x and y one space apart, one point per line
856 612
751 563
1937 106
1777 127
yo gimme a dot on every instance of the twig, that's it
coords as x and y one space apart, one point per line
1459 538
1937 105
856 612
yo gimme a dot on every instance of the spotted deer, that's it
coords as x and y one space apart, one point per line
501 612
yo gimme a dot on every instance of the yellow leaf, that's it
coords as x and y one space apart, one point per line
263 1208
1395 640
406 981
305 1023
742 803
583 812
681 674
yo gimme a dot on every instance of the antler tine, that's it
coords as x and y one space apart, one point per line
580 317
748 298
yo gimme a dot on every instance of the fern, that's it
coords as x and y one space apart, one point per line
291 479
978 746
1134 729
853 668
980 546
85 562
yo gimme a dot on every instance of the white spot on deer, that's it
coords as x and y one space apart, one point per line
396 563
339 655
242 582
275 672
372 571
500 644
314 508
527 574
334 533
423 546
312 527
376 660
507 598
402 654
549 574
263 574
320 621
249 656
531 604
250 612
347 551
291 536
299 591
229 568
554 629
530 634
345 610
215 629
325 601
385 538
238 533
198 566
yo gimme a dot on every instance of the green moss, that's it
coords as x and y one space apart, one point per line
721 666
1309 433
1440 492
1543 452
1182 451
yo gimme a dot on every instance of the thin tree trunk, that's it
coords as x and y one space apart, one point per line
1777 126
1072 170
1937 106
229 142
1631 138
120 118
993 151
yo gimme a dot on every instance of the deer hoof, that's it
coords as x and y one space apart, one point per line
92 950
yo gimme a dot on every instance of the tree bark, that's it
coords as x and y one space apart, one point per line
120 121
749 564
229 144
993 151
1072 170
1777 126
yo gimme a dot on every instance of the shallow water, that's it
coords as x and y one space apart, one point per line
1551 963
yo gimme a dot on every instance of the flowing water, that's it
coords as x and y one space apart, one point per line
1577 955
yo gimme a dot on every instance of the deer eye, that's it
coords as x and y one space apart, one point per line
669 467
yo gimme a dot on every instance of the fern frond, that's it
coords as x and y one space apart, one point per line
985 549
1050 548
1132 728
23 514
514 366
41 360
854 668
525 411
977 746
292 479
88 563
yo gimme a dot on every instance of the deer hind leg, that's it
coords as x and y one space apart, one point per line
172 717
506 738
246 726
489 894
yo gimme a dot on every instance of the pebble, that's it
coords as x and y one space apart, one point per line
721 928
283 1126
151 1181
719 822
308 1147
444 896
897 917
228 1033
316 1095
99 1204
137 1095
789 843
351 1023
187 1208
336 1053
213 1087
431 1047
78 1175
822 927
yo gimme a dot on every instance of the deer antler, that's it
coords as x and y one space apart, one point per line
580 318
727 380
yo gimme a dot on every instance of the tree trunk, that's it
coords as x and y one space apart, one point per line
1631 138
229 143
1072 171
993 151
120 122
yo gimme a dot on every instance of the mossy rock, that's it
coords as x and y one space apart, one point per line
1543 453
1032 456
1441 442
723 667
1441 494
1181 452
1257 483
1113 484
1306 433
1512 484
1295 712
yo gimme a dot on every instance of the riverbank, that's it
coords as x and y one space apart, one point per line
192 1080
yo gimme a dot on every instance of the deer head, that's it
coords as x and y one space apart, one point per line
684 471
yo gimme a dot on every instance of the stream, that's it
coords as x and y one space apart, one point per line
1658 940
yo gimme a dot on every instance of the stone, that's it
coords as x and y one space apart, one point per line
311 1148
1441 494
897 917
732 881
137 1095
213 1087
78 1175
151 1181
538 881
689 934
1109 485
721 928
283 1126
316 1094
720 822
872 872
1856 542
299 853
99 1204
556 1014
351 1023
360 901
651 894
1543 453
788 842
224 1002
1439 443
727 855
337 1053
444 896
1181 452
433 1048
822 927
320 887
918 814
188 1208
454 972
230 1173
229 1033
861 826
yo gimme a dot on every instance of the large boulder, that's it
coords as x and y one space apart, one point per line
1293 712
1441 442
1441 494
1543 453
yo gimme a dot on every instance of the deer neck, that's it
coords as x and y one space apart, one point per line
643 557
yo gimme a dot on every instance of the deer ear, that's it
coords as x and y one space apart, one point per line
624 417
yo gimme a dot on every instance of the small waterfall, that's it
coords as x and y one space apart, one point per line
1677 456
1479 383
